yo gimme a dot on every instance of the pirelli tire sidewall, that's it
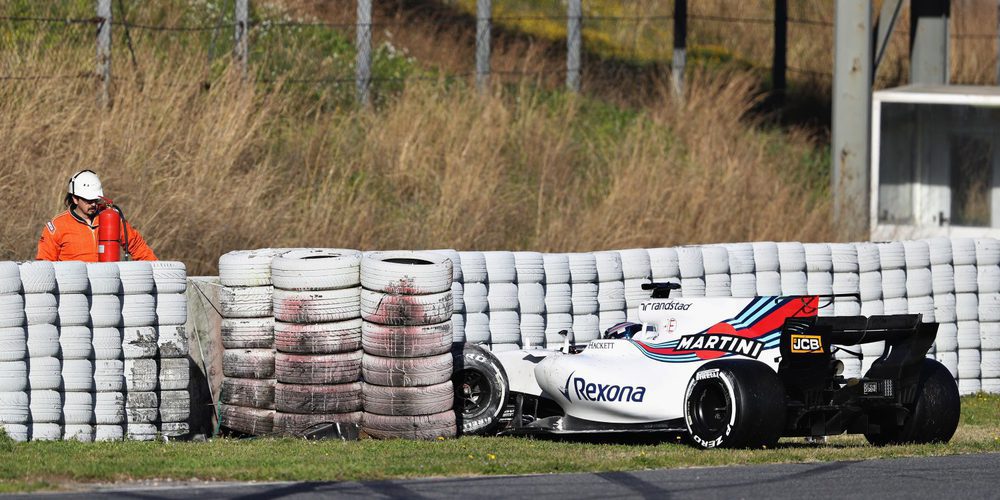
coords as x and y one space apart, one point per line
484 418
753 398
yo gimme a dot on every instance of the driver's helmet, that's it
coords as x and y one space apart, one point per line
623 330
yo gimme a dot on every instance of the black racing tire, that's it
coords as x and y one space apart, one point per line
735 404
481 390
933 415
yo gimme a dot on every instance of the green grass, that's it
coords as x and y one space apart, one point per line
57 465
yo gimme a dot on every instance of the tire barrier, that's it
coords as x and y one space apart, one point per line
169 287
139 348
407 333
318 334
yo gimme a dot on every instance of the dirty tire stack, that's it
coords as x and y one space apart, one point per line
717 280
530 268
407 334
945 312
610 289
475 298
558 298
14 398
248 338
870 289
503 301
170 283
75 339
988 282
967 338
583 292
44 357
142 405
106 338
317 334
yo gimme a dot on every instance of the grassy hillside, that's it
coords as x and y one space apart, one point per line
204 163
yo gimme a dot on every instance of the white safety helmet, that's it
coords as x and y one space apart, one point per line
85 184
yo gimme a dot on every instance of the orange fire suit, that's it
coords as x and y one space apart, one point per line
70 237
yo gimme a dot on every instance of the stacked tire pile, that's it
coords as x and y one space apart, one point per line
743 280
583 294
919 281
76 348
475 298
636 271
317 336
558 298
870 289
457 294
943 292
792 268
45 378
691 266
109 366
766 268
716 262
140 349
988 281
406 305
502 301
169 286
530 274
846 286
15 415
610 290
968 369
819 274
663 265
248 338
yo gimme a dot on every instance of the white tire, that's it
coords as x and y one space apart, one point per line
45 406
987 252
71 277
14 408
966 307
963 251
635 263
104 278
477 328
610 296
174 374
13 376
556 268
458 296
396 372
893 283
105 433
584 296
532 329
458 328
246 302
41 308
769 283
171 309
399 310
109 375
969 335
37 276
473 267
530 267
846 306
846 282
140 375
559 298
582 267
316 269
947 337
105 311
872 307
248 363
406 341
78 376
690 262
989 307
695 287
13 344
819 257
609 266
791 257
43 341
966 278
969 386
247 333
500 267
555 323
139 342
868 257
409 273
916 254
743 285
794 283
73 310
716 285
923 306
475 297
248 392
138 310
715 259
969 364
505 327
12 310
531 298
897 305
949 360
433 399
169 276
607 319
502 297
939 250
663 263
988 279
870 285
246 268
944 308
19 433
172 341
942 278
989 336
319 306
892 255
740 258
107 343
318 338
109 408
10 278
83 433
918 282
819 282
586 327
78 408
175 406
989 365
765 256
136 276
456 263
844 257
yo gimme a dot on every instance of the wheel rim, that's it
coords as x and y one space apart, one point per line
474 392
711 409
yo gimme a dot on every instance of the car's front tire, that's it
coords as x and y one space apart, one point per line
735 404
481 390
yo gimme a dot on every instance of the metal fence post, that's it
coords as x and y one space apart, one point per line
998 42
484 14
363 42
929 41
240 51
680 47
104 49
574 15
780 57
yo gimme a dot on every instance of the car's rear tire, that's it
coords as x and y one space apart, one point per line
933 415
735 404
481 390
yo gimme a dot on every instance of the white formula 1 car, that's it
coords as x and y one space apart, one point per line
728 372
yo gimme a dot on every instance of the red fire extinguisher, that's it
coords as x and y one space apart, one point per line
109 245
